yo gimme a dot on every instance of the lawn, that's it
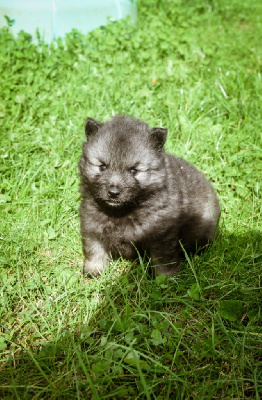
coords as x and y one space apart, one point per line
195 68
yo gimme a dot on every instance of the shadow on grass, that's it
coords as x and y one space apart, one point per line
157 338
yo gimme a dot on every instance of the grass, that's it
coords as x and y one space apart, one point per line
193 67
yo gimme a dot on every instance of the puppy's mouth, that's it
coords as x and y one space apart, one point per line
116 203
116 200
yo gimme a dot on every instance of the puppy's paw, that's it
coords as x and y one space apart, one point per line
168 270
93 268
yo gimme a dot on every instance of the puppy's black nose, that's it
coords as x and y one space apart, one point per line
113 192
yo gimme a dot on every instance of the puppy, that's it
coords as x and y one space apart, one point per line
136 197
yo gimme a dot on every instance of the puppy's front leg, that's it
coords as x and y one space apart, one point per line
96 257
165 260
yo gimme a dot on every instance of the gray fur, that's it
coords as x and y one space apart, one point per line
136 196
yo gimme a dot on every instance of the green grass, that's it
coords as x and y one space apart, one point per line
195 68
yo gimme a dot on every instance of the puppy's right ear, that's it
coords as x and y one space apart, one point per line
159 136
91 126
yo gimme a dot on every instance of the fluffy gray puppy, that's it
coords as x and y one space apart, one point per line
137 197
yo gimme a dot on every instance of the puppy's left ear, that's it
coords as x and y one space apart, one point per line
159 136
91 126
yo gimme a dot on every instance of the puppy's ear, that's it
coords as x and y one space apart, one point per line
159 136
91 126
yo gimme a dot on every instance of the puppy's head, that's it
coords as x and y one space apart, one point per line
122 160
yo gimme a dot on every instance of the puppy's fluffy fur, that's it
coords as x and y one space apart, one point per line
135 196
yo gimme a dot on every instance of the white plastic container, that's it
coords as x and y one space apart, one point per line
54 18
